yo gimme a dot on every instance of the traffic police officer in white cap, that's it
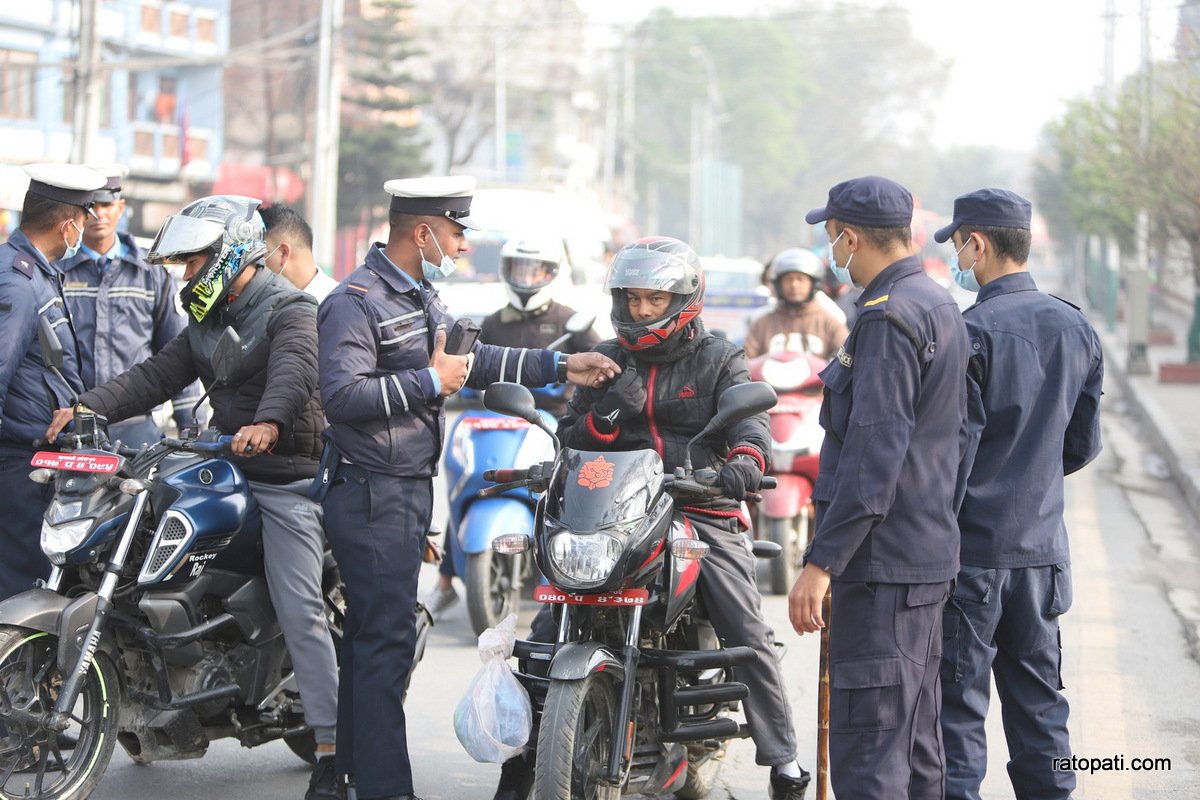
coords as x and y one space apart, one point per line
56 204
384 377
122 308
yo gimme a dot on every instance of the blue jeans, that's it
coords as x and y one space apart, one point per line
1005 622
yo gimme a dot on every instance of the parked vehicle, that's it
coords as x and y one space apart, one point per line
155 628
786 514
639 689
482 440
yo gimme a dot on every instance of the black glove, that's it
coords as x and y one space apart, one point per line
625 398
739 476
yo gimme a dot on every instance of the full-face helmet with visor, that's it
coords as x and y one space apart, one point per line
657 263
532 271
228 229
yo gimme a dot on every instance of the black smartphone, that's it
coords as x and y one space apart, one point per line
461 338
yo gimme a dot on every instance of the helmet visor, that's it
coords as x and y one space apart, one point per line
650 269
529 273
182 235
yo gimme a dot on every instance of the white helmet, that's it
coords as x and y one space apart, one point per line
532 271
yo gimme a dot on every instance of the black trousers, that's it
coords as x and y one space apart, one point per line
376 525
21 524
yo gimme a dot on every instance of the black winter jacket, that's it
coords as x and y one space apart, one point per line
277 381
681 398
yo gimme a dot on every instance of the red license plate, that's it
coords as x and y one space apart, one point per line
629 597
76 462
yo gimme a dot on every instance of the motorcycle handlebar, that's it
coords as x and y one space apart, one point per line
505 475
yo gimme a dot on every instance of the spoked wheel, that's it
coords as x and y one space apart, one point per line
493 588
38 763
574 739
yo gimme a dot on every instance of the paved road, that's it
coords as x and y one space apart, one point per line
1131 650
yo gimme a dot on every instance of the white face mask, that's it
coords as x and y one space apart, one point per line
433 271
841 273
965 278
73 249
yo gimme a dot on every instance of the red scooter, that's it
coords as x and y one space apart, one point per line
785 515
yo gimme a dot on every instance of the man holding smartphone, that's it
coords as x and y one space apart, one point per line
386 371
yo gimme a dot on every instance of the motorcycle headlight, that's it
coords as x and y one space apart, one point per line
59 512
58 540
585 560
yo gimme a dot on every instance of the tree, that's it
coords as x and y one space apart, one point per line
379 136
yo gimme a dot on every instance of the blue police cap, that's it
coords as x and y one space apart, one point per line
872 201
988 208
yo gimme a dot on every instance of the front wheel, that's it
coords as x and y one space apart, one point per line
574 739
37 763
493 584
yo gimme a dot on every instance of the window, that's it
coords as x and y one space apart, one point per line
206 30
179 24
17 76
143 143
152 20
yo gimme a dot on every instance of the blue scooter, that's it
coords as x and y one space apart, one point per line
482 440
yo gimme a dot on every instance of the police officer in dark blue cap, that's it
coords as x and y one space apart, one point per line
55 207
385 374
1038 366
895 417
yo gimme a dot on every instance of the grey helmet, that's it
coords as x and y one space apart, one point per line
795 259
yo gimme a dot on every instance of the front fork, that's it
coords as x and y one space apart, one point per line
73 684
623 731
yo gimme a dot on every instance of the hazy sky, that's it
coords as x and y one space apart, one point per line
1028 55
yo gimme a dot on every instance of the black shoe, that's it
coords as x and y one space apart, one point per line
785 788
325 783
516 779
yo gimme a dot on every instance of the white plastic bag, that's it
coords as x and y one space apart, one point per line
493 719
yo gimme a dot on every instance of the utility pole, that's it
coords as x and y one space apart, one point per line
501 108
1138 280
87 100
328 133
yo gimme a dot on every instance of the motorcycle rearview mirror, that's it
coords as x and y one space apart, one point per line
576 324
226 362
514 400
52 353
736 403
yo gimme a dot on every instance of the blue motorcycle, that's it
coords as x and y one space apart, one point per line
482 440
155 628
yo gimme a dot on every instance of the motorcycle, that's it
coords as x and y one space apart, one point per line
786 514
481 440
155 628
636 691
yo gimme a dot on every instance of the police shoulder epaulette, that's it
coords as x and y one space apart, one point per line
356 288
881 299
24 266
1068 302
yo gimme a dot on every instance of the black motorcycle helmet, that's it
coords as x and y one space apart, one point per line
662 264
795 259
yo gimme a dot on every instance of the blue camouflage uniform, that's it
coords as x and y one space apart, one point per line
29 393
894 416
1039 367
123 313
386 418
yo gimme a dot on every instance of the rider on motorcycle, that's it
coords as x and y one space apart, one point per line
271 408
533 271
805 319
669 359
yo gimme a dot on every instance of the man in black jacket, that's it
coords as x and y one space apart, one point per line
673 373
271 408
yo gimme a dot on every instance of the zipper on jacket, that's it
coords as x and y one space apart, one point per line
650 381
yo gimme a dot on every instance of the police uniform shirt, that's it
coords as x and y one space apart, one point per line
895 417
122 314
29 390
382 400
1042 372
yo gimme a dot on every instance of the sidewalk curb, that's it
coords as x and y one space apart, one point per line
1160 433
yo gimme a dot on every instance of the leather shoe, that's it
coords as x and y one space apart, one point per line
784 788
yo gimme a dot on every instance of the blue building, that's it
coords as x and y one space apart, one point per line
160 88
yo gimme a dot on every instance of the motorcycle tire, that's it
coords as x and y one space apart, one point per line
493 586
793 535
30 678
573 740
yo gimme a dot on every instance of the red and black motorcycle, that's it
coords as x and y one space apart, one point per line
637 689
785 515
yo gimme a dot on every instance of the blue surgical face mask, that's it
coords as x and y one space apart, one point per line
964 277
433 271
73 249
841 273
